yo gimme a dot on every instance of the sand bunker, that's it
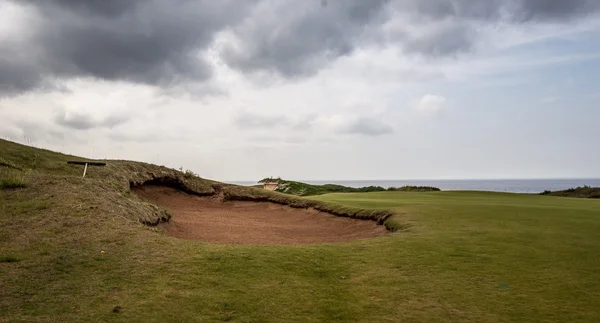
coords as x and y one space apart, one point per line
212 220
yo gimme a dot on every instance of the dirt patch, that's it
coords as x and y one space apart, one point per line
211 219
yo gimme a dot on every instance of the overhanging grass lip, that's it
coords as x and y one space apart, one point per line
251 194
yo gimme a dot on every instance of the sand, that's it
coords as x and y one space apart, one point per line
211 219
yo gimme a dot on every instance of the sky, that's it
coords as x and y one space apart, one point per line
239 90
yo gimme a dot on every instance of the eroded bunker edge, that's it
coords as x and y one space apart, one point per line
227 192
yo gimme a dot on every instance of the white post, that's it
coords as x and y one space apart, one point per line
84 169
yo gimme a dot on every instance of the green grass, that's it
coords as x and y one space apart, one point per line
11 183
305 189
411 188
11 179
465 256
8 164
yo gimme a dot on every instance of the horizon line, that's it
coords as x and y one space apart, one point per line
436 179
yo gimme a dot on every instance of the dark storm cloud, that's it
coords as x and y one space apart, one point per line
158 42
305 36
297 38
105 8
17 77
150 42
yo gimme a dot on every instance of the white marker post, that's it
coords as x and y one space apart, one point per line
86 165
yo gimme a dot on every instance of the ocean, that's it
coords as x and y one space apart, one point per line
494 185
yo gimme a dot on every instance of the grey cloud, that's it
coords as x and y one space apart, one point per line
151 42
158 42
16 77
367 126
270 139
507 10
33 133
305 122
84 121
297 38
295 140
248 120
304 36
105 8
555 9
445 39
145 137
451 27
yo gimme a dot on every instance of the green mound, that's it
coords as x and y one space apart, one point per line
414 189
21 164
581 192
305 189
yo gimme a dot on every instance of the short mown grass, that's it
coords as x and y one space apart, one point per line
82 250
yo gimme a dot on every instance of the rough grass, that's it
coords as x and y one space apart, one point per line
8 164
410 188
11 179
468 256
9 258
580 192
12 183
305 189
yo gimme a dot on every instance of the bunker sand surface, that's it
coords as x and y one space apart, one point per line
212 220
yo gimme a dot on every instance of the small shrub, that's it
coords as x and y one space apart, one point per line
189 174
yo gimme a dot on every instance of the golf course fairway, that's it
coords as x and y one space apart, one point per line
87 249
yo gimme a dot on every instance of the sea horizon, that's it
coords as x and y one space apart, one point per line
513 185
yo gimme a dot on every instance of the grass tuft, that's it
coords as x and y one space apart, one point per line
12 180
9 259
9 164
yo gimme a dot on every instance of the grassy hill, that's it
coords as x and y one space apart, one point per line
73 249
305 189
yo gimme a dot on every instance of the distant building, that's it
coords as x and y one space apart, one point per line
271 183
271 186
